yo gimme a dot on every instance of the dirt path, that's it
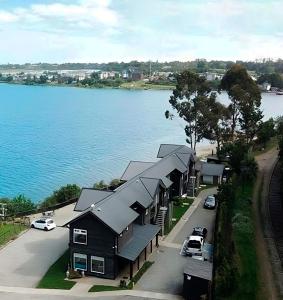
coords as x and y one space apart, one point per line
266 162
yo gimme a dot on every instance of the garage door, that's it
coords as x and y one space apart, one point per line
208 179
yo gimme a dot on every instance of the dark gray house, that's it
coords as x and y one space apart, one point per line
211 173
116 229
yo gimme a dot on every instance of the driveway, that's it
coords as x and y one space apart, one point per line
166 274
25 260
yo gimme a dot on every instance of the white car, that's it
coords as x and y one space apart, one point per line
44 224
194 245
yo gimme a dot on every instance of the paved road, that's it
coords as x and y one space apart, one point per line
25 260
200 217
166 274
13 296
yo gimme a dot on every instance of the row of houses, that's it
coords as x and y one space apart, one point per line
115 229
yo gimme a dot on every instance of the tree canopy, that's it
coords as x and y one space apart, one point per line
245 100
193 100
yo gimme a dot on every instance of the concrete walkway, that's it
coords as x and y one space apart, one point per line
83 295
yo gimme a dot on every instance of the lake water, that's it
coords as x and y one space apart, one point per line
51 136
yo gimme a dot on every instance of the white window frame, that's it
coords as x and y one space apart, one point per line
79 255
99 258
79 231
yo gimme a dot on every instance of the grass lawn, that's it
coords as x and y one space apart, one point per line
54 277
143 85
245 246
178 212
104 288
9 232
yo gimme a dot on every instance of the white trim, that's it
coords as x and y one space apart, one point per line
80 231
97 258
79 255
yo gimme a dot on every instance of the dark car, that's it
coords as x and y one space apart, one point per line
199 231
210 202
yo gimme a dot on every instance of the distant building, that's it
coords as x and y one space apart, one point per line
265 86
135 74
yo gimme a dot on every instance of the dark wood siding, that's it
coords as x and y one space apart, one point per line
100 242
122 240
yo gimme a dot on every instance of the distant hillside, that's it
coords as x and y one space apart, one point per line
200 65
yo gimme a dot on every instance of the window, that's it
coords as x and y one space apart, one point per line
80 236
80 261
146 212
97 264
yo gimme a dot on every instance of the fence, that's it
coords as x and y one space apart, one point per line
43 209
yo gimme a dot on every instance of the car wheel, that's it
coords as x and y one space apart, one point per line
32 226
45 228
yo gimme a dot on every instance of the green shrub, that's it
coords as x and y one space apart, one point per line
178 201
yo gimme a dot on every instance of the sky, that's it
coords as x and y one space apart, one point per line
57 31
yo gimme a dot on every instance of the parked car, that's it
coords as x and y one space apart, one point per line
44 224
209 202
194 245
200 231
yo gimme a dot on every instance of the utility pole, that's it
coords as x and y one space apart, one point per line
3 210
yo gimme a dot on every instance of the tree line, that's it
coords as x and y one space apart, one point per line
262 66
21 204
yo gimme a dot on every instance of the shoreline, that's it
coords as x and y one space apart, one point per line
151 87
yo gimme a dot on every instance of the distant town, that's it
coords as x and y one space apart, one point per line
143 75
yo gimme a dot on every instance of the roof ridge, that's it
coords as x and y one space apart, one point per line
181 159
146 187
179 146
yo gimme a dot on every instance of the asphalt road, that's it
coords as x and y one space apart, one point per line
166 274
201 217
25 260
13 296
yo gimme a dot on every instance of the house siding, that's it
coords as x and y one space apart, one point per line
122 240
100 242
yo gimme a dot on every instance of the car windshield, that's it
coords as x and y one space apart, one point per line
194 244
50 222
210 200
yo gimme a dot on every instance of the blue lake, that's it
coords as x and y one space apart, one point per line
51 136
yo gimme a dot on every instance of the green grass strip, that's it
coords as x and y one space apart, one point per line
54 277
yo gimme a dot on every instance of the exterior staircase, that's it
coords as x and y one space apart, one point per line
160 218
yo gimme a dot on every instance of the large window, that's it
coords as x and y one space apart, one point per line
80 261
80 236
97 264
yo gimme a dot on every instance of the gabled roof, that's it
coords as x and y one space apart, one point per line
142 235
114 215
211 169
165 166
134 168
166 181
150 184
167 149
131 193
113 208
90 196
